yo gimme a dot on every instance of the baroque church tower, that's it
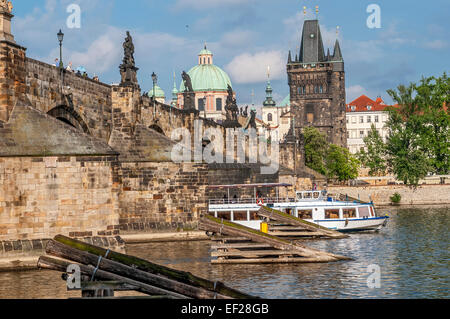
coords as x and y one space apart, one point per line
317 86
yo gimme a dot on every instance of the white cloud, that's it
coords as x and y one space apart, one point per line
252 68
207 4
354 92
102 54
436 44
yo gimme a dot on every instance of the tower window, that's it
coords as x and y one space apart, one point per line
269 117
321 89
310 113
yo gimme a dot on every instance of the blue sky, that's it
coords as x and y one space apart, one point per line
245 36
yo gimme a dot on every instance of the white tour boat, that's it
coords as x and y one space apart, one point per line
313 206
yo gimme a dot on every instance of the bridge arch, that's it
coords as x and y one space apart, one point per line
157 128
69 116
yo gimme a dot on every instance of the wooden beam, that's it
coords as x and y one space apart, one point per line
62 251
61 265
267 261
253 253
276 215
147 266
240 246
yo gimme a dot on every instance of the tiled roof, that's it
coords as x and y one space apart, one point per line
365 104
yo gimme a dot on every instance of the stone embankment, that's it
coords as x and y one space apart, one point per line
380 195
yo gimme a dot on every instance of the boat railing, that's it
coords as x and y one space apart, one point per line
262 200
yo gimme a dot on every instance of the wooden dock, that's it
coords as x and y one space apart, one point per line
102 272
288 226
237 244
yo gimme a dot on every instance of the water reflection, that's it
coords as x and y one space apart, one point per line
412 252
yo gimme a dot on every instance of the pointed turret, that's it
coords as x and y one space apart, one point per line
311 48
289 57
337 56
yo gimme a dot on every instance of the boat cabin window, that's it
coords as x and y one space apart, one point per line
331 213
254 216
288 211
224 215
349 212
307 195
305 214
363 212
316 195
240 215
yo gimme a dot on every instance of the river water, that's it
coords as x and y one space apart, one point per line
411 254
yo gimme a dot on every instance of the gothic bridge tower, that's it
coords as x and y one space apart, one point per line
317 86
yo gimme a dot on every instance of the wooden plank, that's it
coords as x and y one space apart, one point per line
105 285
231 239
145 265
210 223
294 234
288 227
240 246
277 215
254 253
267 261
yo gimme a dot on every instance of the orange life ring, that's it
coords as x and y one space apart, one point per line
260 202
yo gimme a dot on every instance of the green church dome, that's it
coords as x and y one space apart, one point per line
208 77
159 93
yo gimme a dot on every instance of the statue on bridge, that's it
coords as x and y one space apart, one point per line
6 5
188 94
232 110
128 69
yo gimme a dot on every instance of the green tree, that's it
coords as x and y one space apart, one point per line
341 164
418 141
374 157
315 149
328 159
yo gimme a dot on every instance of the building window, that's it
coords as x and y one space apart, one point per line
376 119
361 134
201 104
301 90
361 119
219 104
369 119
321 89
269 117
353 119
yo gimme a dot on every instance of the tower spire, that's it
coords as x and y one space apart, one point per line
269 102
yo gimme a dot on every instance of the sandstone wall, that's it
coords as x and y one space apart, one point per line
160 196
423 195
41 197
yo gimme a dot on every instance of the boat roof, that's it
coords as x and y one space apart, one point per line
249 185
